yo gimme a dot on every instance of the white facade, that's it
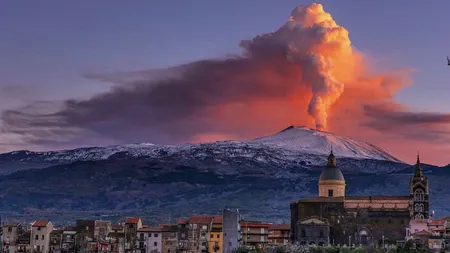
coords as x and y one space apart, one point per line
40 236
149 239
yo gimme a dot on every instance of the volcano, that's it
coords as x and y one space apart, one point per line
260 177
314 141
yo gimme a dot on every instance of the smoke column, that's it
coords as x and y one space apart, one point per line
313 40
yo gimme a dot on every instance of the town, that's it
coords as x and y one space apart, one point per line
330 220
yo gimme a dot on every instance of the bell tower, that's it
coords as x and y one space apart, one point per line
418 190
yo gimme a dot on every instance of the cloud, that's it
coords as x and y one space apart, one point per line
305 73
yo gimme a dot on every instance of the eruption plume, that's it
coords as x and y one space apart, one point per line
314 42
304 73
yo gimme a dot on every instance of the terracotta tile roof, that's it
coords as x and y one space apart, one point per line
132 220
439 230
182 221
445 218
117 227
280 227
153 229
200 219
217 220
423 232
255 225
40 223
437 223
378 197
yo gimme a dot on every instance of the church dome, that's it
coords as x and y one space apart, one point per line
331 172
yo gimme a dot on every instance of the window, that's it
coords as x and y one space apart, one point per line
204 227
36 237
303 233
155 244
155 235
418 207
141 245
168 251
419 216
321 233
39 228
38 248
218 236
42 237
419 195
130 226
212 236
10 229
330 193
141 237
183 235
150 235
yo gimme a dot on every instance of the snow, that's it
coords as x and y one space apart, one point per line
319 142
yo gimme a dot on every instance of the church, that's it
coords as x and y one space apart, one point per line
332 218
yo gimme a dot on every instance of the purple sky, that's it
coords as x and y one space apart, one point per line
47 46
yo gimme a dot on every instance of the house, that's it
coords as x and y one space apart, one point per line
215 243
55 241
231 229
40 236
101 229
198 234
421 238
255 233
183 231
169 238
11 233
279 234
23 243
132 225
116 241
149 240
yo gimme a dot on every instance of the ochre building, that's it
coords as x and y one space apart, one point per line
332 218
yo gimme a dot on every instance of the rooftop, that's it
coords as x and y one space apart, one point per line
40 223
132 220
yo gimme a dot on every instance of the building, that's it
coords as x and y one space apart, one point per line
314 231
255 234
40 236
132 225
359 220
149 240
102 229
231 230
23 243
183 231
169 238
279 234
199 233
215 243
56 241
11 233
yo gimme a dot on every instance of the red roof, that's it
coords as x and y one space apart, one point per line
40 223
154 229
423 232
182 221
200 219
217 220
117 227
255 225
437 223
280 227
132 220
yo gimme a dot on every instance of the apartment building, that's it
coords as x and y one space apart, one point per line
255 234
40 236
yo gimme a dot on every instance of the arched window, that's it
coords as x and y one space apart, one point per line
418 207
419 195
419 216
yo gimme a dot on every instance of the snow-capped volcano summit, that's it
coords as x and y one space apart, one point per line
314 141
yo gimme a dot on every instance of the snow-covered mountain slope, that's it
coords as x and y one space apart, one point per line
294 147
319 142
